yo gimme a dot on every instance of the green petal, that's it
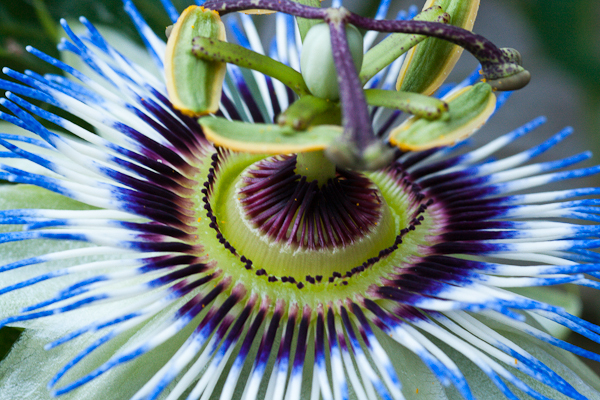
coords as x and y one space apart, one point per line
122 43
22 378
22 163
428 64
26 196
562 362
468 110
566 297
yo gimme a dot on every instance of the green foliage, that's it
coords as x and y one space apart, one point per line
8 336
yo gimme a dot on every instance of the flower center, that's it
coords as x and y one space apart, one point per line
281 232
295 228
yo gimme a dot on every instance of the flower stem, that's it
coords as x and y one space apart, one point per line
500 66
413 103
285 6
358 138
308 109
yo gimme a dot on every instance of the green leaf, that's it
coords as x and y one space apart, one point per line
8 337
428 64
267 138
468 110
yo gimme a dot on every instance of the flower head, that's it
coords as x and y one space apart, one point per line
297 242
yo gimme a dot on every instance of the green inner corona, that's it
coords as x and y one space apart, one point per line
321 273
284 259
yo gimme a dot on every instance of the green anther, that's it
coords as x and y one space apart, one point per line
412 103
468 110
194 85
396 44
217 51
309 110
428 64
267 138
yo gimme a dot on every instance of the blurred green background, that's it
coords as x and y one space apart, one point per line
559 41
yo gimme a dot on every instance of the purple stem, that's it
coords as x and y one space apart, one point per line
285 6
497 64
356 120
492 59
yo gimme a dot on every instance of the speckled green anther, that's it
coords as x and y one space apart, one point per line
268 138
412 103
182 67
468 109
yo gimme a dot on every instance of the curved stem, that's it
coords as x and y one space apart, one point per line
356 120
496 63
285 6
308 109
500 66
396 44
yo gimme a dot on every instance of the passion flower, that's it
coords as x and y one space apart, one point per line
331 254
